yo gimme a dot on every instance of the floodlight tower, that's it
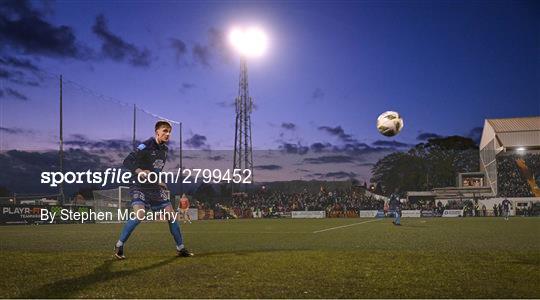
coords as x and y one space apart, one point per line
243 149
249 43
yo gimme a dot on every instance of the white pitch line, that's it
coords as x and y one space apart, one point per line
338 227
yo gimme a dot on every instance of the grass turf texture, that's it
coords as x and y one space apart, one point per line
432 257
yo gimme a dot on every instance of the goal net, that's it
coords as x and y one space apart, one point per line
112 200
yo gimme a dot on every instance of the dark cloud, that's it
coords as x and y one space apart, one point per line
15 62
330 159
216 157
317 94
115 48
268 167
394 144
81 141
23 28
338 132
217 40
180 49
354 147
214 49
15 130
427 135
320 147
351 145
186 86
340 175
288 125
197 141
294 148
18 77
13 94
476 134
201 54
20 169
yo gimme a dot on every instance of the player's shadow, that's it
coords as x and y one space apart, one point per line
247 252
67 288
527 261
415 226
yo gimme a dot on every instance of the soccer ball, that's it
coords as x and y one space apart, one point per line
389 123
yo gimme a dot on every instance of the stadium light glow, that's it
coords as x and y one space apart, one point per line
520 149
250 42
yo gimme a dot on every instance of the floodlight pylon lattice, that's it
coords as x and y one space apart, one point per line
243 152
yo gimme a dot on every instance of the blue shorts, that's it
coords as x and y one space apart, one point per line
151 198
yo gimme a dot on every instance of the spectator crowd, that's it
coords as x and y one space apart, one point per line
511 180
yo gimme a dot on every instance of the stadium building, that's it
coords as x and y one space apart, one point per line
510 156
509 164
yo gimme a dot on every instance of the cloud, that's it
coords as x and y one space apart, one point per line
201 54
197 141
217 40
17 77
339 132
180 48
351 145
294 148
23 28
320 147
214 49
13 94
427 135
81 141
15 130
186 86
288 126
115 48
21 168
340 175
268 167
330 159
394 144
15 62
317 94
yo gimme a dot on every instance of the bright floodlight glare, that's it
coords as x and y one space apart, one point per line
520 149
249 42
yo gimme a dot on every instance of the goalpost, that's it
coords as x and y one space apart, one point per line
111 200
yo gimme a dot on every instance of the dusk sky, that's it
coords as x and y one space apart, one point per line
330 69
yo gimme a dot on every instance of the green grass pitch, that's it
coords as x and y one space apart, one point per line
431 257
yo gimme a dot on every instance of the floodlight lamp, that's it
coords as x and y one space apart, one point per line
250 42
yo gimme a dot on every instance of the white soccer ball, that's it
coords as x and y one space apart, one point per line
389 123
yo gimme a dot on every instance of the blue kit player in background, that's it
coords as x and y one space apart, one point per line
150 156
506 208
395 205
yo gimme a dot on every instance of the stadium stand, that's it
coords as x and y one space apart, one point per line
509 155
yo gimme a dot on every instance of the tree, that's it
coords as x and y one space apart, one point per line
427 165
205 193
4 192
